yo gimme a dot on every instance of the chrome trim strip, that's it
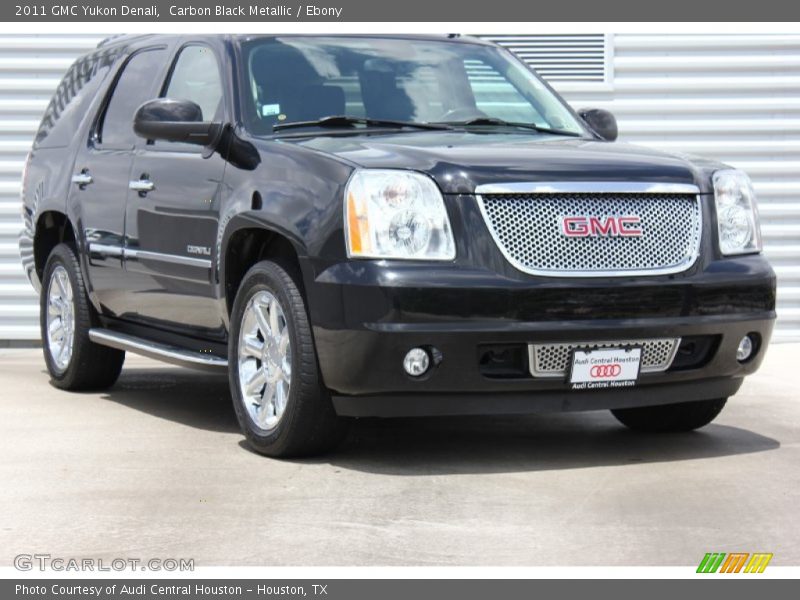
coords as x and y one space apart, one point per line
106 249
679 268
587 187
538 374
119 251
169 354
169 258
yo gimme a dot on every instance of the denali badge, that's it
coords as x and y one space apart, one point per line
204 250
580 226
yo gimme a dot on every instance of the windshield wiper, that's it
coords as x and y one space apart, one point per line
348 121
493 121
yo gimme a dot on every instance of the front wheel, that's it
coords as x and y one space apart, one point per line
281 405
683 416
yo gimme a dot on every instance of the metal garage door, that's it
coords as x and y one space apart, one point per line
736 98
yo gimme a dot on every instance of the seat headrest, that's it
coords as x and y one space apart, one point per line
284 67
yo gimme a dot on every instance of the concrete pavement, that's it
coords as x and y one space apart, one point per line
156 467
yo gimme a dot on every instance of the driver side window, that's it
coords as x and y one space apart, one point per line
195 77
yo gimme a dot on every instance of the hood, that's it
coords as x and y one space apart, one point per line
459 161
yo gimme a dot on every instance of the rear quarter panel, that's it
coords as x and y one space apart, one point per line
62 132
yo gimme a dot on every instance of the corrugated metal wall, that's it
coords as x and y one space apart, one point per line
30 69
730 97
576 57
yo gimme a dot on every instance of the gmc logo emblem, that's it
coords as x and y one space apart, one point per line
601 371
627 226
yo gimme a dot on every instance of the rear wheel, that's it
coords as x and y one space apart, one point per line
282 407
684 416
73 360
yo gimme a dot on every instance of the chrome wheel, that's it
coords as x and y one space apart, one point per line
265 360
60 318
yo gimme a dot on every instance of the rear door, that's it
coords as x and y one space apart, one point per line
173 210
101 174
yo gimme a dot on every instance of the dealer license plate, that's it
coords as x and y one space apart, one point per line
604 368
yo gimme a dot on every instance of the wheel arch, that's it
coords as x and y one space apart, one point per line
53 227
249 240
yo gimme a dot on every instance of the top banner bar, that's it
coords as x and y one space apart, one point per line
408 10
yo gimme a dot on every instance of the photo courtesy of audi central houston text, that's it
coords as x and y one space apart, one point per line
357 226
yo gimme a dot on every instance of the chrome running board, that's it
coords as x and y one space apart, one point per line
162 352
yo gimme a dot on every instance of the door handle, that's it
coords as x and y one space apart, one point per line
82 179
142 186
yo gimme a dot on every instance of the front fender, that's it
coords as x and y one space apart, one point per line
254 220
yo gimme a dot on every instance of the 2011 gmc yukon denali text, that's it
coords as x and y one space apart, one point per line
380 226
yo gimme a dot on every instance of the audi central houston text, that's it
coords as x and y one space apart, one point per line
382 226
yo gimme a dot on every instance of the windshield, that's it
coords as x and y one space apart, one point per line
295 79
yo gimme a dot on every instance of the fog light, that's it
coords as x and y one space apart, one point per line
416 362
745 349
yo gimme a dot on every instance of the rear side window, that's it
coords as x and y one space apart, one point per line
73 96
196 77
134 86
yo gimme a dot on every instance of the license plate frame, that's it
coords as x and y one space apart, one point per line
602 368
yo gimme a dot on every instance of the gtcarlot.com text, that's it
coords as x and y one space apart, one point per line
48 562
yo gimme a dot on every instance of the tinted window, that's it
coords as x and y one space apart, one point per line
73 96
294 79
196 78
497 96
134 86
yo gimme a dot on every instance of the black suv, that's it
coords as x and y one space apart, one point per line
379 226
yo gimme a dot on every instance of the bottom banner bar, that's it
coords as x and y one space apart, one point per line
387 589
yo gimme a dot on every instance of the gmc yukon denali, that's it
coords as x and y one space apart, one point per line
381 226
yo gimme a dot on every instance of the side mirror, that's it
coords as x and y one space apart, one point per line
175 121
601 122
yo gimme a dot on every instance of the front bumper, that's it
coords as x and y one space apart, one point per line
367 315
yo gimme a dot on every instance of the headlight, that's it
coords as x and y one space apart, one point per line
737 214
396 214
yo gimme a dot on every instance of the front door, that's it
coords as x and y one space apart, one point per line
172 212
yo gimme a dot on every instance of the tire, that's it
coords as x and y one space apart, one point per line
684 416
281 404
75 362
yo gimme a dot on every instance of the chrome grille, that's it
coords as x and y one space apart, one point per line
527 228
552 359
